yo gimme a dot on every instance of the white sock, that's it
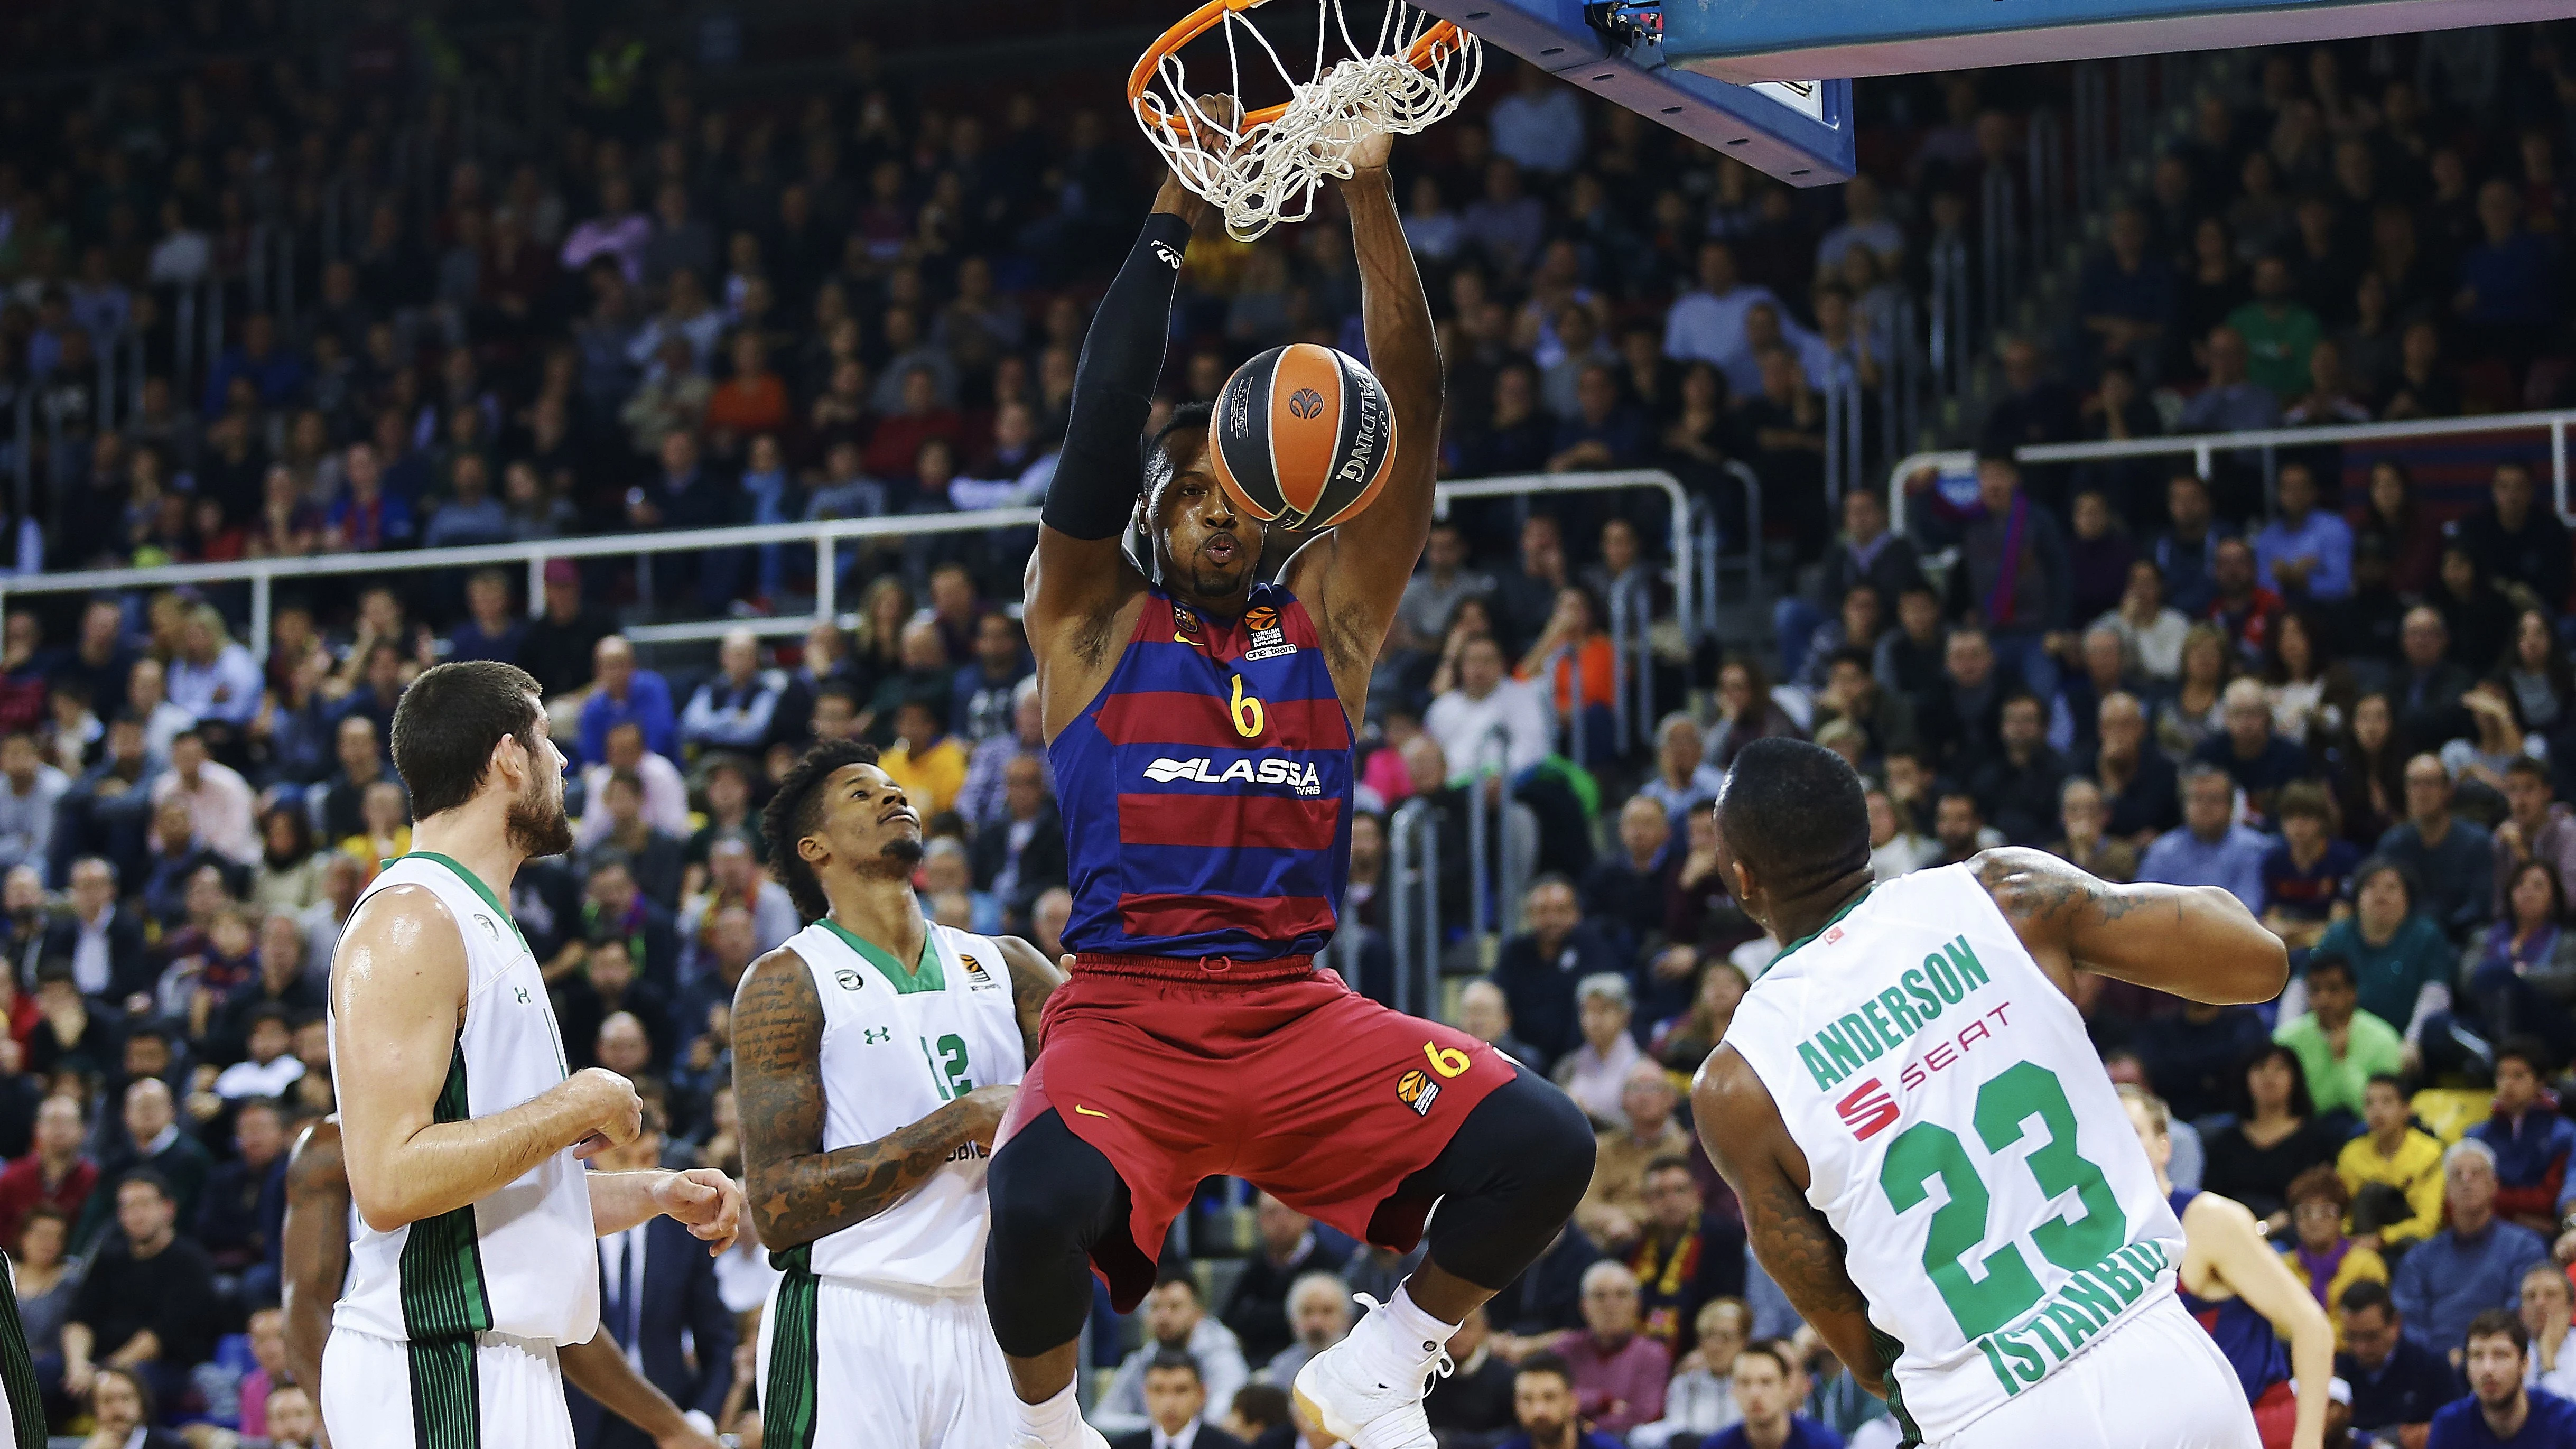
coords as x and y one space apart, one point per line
1408 1331
1054 1421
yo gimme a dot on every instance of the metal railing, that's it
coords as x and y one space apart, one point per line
2030 206
1418 935
1952 341
1701 603
1413 903
2204 448
1632 660
1488 858
263 575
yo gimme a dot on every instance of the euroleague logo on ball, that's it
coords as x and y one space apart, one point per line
1302 436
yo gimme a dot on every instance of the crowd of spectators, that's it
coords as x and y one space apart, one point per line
2355 715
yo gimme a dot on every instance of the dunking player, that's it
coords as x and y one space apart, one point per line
1931 1159
315 1245
874 1055
1200 724
462 1131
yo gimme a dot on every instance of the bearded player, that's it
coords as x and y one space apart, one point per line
1200 723
463 1133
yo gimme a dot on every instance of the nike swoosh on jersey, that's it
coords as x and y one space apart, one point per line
1087 1112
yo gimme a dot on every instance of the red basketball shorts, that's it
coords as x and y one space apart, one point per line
1274 1072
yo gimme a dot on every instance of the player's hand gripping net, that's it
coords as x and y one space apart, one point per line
1264 168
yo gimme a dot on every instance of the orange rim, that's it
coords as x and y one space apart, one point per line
1428 50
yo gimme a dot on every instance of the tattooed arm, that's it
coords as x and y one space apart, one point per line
798 1191
1034 978
2198 942
1740 1126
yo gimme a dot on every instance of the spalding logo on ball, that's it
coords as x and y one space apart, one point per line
1302 436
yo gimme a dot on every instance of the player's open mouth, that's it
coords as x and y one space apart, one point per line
906 813
1221 548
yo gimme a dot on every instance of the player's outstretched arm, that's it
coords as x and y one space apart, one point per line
599 1368
398 985
1034 978
1740 1126
314 1246
798 1191
1079 576
2197 942
2222 1234
1357 572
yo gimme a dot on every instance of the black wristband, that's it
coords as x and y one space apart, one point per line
1100 470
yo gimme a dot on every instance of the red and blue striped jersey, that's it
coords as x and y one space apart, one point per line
1207 791
2253 1347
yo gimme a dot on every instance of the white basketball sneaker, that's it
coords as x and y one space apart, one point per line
1367 1389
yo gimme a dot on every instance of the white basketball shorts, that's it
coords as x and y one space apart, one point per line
846 1365
489 1392
2157 1382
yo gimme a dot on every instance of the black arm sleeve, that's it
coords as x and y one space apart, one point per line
1097 476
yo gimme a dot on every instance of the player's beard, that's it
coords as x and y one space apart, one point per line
901 856
536 823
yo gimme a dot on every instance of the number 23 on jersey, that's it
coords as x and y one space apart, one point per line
2000 1287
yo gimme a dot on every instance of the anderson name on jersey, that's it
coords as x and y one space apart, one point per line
1961 1137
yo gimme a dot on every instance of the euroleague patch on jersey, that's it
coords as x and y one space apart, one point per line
850 980
1268 642
489 929
977 978
1415 1089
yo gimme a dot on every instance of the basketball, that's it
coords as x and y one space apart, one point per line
1302 436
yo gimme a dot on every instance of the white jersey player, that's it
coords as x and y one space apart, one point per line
874 1055
1932 1162
462 1131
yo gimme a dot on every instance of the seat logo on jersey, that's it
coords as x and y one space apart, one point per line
850 980
977 978
1273 771
1415 1089
1884 1022
1868 1111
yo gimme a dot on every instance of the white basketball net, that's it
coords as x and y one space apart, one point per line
1265 172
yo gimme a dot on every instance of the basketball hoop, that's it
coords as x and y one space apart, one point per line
1264 168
